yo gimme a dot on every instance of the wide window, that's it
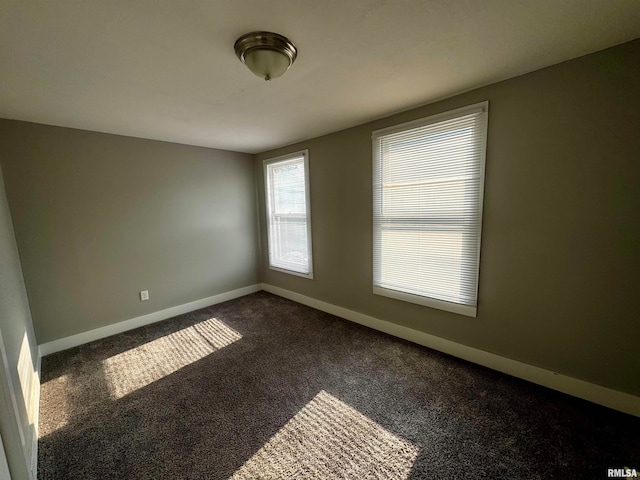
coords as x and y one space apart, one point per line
428 179
288 213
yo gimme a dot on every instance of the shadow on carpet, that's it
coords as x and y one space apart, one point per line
264 388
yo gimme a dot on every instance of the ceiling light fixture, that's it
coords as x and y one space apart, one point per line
267 54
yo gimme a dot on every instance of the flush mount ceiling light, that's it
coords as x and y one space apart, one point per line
267 54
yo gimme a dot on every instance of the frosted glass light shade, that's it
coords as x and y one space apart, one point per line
268 55
266 63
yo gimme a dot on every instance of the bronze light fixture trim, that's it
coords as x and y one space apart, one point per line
268 55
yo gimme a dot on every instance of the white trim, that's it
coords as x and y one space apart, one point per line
293 272
36 418
481 111
615 399
480 107
115 328
289 157
13 399
29 378
467 310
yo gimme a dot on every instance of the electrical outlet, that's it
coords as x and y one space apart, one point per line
144 295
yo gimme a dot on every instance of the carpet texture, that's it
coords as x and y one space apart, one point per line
264 388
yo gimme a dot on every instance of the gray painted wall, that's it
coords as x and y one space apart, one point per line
560 257
15 327
100 217
4 466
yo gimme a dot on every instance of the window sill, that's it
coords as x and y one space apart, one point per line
427 302
292 272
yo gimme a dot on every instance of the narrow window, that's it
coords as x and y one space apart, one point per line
288 213
428 180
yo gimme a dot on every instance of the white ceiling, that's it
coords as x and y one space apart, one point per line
166 69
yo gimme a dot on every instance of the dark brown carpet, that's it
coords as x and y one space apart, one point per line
263 388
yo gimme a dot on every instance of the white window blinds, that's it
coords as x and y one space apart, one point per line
288 220
428 181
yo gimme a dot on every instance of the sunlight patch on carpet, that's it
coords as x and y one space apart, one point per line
136 368
330 439
59 412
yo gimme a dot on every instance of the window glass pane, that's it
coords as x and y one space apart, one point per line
428 182
287 214
289 243
412 269
288 182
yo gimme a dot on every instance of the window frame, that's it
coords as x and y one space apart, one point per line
467 310
268 209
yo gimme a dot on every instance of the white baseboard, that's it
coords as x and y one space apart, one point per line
615 399
115 328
